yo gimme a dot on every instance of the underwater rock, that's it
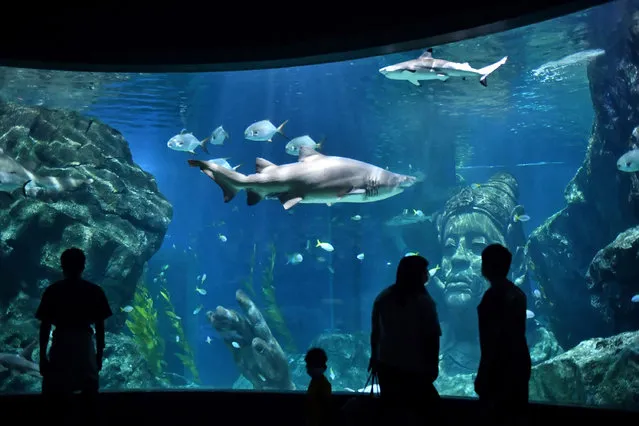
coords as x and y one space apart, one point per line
124 367
543 344
601 371
601 201
119 220
613 279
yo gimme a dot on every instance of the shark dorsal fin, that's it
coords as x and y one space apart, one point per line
27 352
261 164
307 153
427 54
183 131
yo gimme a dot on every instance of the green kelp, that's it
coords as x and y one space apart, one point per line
248 282
142 322
272 312
186 356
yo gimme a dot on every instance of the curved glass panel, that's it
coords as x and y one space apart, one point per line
472 149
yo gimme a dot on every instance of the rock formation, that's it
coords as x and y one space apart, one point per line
119 220
601 201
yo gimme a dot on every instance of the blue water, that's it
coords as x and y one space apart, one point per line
516 119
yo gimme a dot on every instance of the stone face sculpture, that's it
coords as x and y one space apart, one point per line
257 354
472 219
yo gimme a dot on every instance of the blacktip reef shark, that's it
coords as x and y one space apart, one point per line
428 68
20 362
314 178
14 175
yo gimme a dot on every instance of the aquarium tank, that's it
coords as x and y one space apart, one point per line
235 219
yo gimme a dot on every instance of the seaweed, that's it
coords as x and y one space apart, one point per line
272 311
142 322
186 356
248 282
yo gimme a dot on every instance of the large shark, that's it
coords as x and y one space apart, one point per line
428 68
14 175
20 363
314 178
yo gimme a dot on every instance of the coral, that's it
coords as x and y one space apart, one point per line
187 357
272 311
142 322
255 351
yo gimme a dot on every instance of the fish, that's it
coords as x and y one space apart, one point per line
222 238
315 178
635 298
186 142
521 218
21 362
428 68
224 163
263 131
295 259
629 162
127 309
200 290
197 310
218 136
14 175
325 246
356 218
530 314
294 145
360 256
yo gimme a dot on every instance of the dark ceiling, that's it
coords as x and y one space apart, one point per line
201 36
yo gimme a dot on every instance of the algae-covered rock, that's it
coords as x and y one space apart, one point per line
613 279
601 201
119 220
601 371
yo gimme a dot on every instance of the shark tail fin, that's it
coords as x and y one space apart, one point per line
218 175
486 71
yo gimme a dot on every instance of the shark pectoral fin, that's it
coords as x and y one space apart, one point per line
288 202
415 82
252 197
261 164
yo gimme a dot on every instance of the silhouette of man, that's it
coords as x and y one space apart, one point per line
72 305
405 339
504 367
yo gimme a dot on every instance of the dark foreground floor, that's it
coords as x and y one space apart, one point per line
252 408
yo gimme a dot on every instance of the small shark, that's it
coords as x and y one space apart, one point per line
20 362
314 178
15 176
428 68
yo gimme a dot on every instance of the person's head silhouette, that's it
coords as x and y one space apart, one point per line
412 272
316 360
72 262
495 263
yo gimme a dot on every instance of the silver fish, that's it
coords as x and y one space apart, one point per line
187 142
218 136
263 131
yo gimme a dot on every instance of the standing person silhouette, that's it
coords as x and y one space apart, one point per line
72 306
405 340
504 367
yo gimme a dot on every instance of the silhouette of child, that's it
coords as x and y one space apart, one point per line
318 395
